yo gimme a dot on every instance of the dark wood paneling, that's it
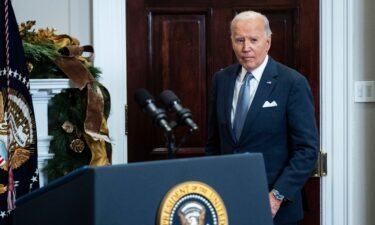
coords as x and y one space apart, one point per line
283 46
311 195
178 56
137 60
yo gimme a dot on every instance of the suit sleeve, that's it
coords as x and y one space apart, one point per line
302 137
213 141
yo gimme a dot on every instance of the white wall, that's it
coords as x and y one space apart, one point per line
72 17
363 116
347 127
109 38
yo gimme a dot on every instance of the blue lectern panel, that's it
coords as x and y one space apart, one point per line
131 194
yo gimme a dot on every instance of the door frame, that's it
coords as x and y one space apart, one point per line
336 96
336 65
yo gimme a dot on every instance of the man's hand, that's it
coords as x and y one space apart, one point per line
275 204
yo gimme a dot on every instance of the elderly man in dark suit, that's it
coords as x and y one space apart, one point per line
260 105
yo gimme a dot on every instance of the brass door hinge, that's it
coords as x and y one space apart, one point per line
321 165
126 119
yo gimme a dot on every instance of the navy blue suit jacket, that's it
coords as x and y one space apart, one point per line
286 134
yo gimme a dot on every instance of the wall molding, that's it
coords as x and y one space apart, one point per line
109 38
336 109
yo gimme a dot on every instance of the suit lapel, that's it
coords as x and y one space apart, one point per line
265 87
230 83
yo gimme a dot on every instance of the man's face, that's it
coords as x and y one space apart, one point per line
249 42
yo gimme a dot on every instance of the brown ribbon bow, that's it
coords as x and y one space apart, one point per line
94 123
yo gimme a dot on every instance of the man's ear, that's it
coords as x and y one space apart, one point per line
269 43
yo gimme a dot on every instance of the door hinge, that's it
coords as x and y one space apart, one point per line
126 119
321 165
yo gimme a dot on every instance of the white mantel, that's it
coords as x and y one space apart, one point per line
42 90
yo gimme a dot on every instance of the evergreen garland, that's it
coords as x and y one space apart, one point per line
41 56
65 159
66 108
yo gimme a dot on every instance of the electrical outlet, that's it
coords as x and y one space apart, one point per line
364 91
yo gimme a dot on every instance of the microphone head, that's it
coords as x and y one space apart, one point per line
141 96
168 97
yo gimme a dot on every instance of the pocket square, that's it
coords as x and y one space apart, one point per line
268 104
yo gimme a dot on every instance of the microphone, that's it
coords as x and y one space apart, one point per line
171 101
158 116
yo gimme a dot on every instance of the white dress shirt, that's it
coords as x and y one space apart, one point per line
257 73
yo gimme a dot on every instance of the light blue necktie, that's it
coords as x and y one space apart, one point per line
243 103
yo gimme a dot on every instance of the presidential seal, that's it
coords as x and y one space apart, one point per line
192 203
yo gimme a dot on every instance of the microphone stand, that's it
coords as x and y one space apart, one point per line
171 141
171 145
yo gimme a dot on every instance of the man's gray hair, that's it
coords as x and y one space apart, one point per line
252 15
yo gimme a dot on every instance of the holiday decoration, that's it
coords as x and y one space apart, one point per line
77 145
77 116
